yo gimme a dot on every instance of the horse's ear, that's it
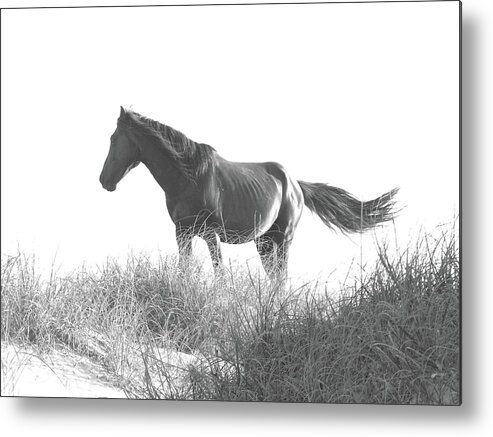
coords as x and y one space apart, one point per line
122 111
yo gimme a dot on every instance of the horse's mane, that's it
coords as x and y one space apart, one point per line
192 158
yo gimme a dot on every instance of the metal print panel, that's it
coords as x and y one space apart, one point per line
238 203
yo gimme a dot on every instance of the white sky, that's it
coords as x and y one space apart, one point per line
361 96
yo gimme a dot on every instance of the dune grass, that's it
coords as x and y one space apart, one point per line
162 332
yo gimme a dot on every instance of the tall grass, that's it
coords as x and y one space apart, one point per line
164 332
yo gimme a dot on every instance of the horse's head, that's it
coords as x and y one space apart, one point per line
123 156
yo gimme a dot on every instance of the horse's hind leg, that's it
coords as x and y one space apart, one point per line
273 249
266 248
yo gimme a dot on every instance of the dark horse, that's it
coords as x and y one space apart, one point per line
232 202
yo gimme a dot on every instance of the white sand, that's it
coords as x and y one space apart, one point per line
59 374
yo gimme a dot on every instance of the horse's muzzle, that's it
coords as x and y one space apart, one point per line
106 186
109 187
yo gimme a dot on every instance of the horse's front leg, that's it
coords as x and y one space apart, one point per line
184 236
212 241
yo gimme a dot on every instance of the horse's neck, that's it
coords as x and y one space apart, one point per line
167 175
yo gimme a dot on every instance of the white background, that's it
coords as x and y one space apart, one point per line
473 418
363 97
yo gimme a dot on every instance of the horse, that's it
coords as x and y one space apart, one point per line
233 202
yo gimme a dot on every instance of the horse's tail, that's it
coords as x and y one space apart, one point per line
336 207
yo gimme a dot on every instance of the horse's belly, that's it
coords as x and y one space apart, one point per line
244 218
236 230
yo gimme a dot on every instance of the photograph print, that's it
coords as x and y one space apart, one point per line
232 202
